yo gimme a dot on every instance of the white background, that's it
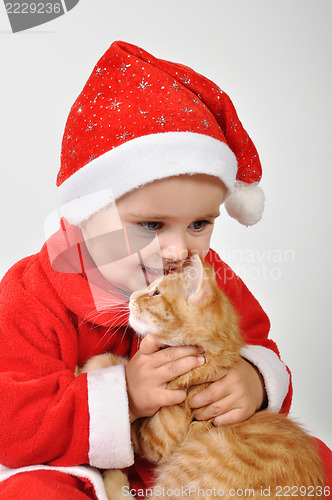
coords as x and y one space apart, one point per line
273 57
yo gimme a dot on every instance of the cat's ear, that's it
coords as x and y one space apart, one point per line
197 286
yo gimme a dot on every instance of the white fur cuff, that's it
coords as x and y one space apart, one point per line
273 371
110 445
81 471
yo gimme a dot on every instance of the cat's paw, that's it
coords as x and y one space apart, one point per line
116 485
102 361
157 437
196 376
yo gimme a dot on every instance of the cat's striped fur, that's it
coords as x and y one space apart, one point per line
261 457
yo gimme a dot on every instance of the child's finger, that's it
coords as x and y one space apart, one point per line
173 397
150 344
174 369
234 416
171 355
221 407
214 392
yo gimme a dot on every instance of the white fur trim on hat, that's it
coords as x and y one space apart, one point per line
140 161
246 203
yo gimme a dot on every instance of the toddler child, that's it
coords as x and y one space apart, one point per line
150 151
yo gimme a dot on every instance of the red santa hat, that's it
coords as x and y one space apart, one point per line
139 119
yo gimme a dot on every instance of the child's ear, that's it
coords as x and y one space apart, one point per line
197 282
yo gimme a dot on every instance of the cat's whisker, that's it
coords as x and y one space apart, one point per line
102 308
113 333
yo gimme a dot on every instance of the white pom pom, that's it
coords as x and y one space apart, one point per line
246 203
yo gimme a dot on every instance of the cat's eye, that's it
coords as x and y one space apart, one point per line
154 292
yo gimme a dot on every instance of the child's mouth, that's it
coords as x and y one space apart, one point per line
150 273
160 272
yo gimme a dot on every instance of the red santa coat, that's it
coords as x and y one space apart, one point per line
49 324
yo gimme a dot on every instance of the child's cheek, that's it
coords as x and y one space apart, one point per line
125 274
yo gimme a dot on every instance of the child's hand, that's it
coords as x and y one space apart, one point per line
150 370
232 398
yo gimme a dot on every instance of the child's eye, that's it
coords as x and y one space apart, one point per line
152 226
199 225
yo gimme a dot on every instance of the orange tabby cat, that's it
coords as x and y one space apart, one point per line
266 456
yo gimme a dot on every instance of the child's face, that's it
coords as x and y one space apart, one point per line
168 220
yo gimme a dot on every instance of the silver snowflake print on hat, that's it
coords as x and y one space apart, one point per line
92 157
143 85
161 121
185 79
123 136
175 86
114 104
124 67
90 126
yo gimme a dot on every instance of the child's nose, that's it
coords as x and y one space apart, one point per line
175 249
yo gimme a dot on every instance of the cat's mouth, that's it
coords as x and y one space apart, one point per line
138 324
